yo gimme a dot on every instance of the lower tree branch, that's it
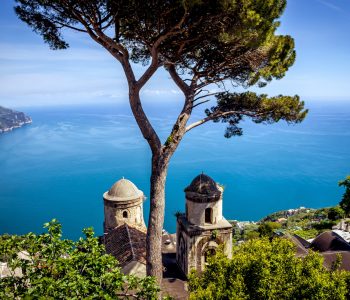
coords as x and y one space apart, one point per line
223 114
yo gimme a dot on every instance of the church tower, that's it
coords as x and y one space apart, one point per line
123 204
202 228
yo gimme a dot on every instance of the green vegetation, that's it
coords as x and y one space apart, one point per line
267 229
249 231
264 269
307 223
307 233
335 213
345 202
56 268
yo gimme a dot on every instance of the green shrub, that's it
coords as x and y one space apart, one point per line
56 268
263 269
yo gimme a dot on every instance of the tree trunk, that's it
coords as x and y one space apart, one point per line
161 155
156 218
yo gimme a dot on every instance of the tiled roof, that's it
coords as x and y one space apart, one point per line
126 244
203 184
329 245
301 248
329 241
331 257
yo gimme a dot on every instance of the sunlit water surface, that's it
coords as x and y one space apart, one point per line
60 166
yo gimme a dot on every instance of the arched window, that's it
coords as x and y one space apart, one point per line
208 215
125 214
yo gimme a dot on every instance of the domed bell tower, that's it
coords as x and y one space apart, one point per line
202 228
123 203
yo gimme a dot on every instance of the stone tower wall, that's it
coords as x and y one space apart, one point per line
115 212
196 211
192 244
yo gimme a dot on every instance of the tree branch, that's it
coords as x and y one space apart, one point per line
222 114
199 103
71 27
151 69
204 96
177 79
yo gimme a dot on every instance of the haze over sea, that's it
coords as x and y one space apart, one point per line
59 166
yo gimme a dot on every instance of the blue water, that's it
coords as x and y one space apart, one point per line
60 166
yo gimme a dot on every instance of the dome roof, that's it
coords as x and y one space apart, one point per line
123 190
203 184
329 241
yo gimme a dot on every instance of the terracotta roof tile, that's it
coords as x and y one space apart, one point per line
126 243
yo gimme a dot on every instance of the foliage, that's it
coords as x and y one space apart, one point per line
244 232
208 41
267 229
249 235
306 233
345 202
264 269
214 234
307 223
178 214
324 225
336 213
260 108
56 268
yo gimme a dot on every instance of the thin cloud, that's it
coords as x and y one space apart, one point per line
331 5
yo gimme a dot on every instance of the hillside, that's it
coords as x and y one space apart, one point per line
305 222
10 119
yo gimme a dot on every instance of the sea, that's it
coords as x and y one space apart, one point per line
60 165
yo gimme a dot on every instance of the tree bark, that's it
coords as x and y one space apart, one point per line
156 218
160 163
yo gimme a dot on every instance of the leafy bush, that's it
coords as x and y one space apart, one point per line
345 202
324 225
336 213
268 228
306 233
56 268
263 269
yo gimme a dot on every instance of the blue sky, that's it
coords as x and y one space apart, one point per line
32 75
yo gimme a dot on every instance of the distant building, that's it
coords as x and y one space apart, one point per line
202 228
124 227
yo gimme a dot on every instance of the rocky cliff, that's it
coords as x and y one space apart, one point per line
10 119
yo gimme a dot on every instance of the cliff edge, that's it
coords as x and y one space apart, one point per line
10 119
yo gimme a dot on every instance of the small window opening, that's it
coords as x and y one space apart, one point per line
125 214
208 215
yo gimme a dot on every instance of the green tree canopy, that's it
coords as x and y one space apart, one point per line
56 268
336 213
267 229
345 202
263 269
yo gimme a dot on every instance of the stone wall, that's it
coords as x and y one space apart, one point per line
119 212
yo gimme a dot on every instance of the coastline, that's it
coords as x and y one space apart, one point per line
19 125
